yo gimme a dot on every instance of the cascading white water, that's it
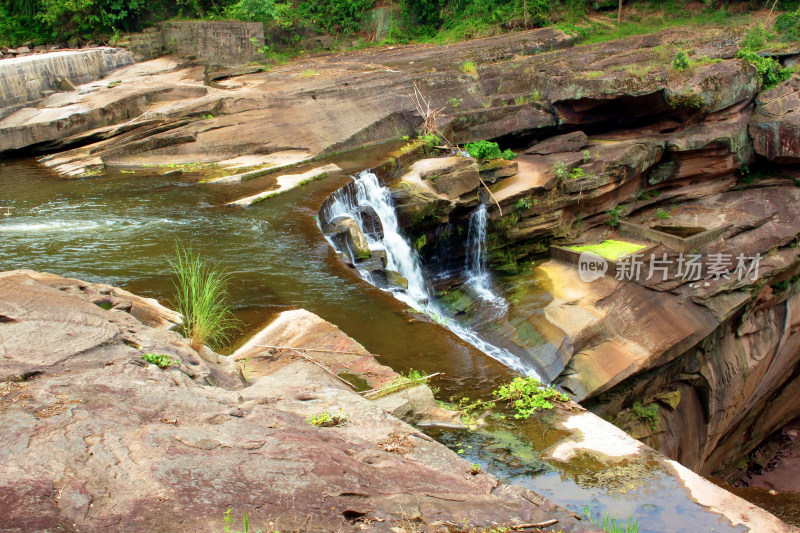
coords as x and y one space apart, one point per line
401 257
478 277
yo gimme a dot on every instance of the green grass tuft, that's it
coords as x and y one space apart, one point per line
202 299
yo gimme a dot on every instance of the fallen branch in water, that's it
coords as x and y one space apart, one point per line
375 391
531 526
314 350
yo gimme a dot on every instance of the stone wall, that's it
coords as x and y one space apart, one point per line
24 79
212 42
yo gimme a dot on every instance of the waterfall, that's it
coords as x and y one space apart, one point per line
478 277
403 258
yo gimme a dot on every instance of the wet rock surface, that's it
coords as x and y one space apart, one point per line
96 439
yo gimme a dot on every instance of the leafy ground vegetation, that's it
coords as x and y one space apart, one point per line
435 21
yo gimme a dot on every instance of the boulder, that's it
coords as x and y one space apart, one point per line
569 142
496 169
23 50
396 280
345 232
371 222
450 176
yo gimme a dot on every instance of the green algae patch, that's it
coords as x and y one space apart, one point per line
609 249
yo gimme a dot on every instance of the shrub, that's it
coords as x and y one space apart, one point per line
771 72
788 26
201 298
663 214
755 38
649 413
488 150
527 395
614 215
681 61
524 203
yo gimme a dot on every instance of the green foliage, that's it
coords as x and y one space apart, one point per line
420 242
334 16
772 73
527 395
488 150
787 25
663 214
756 38
612 524
649 413
201 297
160 360
614 215
586 156
560 170
264 11
526 202
471 410
245 523
681 61
327 420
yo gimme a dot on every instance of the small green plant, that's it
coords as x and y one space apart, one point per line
771 72
471 410
420 242
681 61
527 395
208 116
160 360
560 170
229 523
577 173
201 297
663 214
614 215
430 140
586 156
455 102
310 73
649 413
475 469
327 420
612 524
536 96
526 202
468 67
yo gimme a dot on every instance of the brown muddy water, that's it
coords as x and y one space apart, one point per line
120 228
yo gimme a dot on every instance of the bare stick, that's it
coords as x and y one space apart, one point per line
492 195
314 350
304 356
530 526
374 391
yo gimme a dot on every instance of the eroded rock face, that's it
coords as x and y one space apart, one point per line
349 236
569 142
775 125
95 438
